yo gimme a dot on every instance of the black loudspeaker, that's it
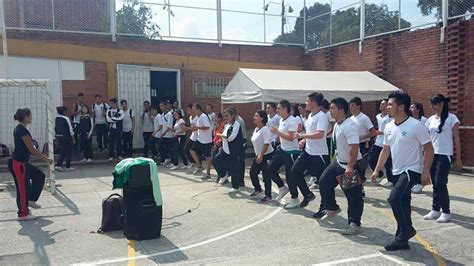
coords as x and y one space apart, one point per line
142 218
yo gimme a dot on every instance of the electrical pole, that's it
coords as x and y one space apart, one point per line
282 17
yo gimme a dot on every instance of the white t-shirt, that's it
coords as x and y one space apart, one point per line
213 123
178 127
273 122
168 123
317 122
423 120
147 123
193 122
77 117
345 134
127 121
442 142
157 122
406 142
382 122
99 113
330 125
287 125
204 136
260 138
233 135
363 125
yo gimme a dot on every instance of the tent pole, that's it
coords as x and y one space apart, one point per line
263 105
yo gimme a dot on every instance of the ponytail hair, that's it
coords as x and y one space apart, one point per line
21 114
421 110
438 99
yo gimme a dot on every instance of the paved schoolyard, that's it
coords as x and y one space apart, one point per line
227 229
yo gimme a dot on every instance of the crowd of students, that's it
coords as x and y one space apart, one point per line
329 141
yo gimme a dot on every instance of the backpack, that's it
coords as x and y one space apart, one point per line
112 210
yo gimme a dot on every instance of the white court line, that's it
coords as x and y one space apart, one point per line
178 249
365 257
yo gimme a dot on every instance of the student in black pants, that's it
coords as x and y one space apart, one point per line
346 140
147 122
64 134
114 118
409 144
192 137
86 127
128 128
99 110
261 140
179 141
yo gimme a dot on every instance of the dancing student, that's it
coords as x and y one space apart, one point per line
179 141
443 127
29 180
217 140
203 144
418 112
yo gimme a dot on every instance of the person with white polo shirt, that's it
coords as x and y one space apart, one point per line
382 120
99 109
203 144
287 152
167 137
311 159
418 112
128 128
345 138
273 120
155 140
443 127
147 122
364 125
262 145
409 144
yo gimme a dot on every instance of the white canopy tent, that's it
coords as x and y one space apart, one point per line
268 85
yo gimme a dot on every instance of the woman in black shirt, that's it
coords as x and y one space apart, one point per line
26 193
86 127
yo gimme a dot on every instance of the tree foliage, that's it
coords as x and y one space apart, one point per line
455 7
137 19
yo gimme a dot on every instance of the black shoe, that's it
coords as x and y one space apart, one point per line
217 180
402 236
397 245
320 214
307 199
255 193
363 192
266 199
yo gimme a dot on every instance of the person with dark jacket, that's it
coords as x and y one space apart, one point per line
86 127
64 134
115 117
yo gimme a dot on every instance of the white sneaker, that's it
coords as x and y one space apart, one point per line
189 166
89 160
282 192
294 203
167 161
417 188
197 171
314 186
111 159
174 167
233 190
33 205
312 180
432 215
29 217
224 180
379 179
83 161
120 158
388 184
59 168
70 169
444 218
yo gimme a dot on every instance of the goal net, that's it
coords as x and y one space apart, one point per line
35 95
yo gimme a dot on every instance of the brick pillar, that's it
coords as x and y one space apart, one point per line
329 56
381 46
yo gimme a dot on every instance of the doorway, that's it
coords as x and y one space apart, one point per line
163 86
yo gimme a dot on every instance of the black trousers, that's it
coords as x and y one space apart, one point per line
439 178
155 146
327 185
223 162
75 128
166 146
374 154
281 158
146 141
315 165
178 150
400 201
101 131
86 146
65 151
258 168
127 144
187 150
29 182
115 142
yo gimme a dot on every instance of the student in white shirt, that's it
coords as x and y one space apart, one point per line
296 114
115 117
332 122
203 144
443 127
99 109
382 120
364 125
346 141
155 140
228 157
409 144
179 140
418 112
211 114
76 113
303 113
128 128
167 137
193 136
147 122
311 159
289 149
262 145
273 120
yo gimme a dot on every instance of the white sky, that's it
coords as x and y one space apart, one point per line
194 23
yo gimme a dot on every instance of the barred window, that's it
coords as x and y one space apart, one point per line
210 87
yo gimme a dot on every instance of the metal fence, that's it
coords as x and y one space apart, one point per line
308 23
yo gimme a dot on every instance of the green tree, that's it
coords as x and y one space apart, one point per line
137 19
455 7
345 25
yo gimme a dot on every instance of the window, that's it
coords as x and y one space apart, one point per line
210 87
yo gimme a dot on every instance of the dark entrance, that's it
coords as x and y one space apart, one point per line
163 86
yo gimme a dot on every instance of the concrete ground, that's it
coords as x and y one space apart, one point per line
227 229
